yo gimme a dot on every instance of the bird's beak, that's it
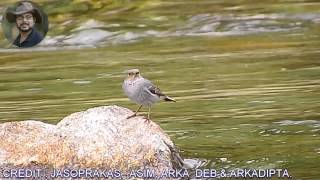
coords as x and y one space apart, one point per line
131 77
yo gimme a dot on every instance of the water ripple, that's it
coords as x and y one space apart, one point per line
314 123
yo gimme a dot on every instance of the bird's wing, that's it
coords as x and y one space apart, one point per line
155 90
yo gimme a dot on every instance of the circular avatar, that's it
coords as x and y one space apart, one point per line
25 24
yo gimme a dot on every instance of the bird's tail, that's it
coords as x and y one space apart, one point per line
167 98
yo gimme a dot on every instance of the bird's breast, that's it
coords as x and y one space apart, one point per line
129 88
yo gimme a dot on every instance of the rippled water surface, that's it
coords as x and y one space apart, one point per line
245 75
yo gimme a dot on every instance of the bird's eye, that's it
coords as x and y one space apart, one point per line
137 73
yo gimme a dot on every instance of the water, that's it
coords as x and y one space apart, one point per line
246 76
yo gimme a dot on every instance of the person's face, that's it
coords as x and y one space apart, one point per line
25 22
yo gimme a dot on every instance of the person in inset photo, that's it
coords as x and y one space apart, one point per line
25 15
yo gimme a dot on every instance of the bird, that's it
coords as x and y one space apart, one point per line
142 91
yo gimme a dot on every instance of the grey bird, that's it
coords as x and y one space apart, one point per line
141 91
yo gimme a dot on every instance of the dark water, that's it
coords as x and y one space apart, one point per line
245 74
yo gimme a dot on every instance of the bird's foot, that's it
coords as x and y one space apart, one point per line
133 115
146 119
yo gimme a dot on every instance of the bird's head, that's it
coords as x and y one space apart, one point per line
133 74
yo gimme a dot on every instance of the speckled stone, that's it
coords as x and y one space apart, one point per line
99 137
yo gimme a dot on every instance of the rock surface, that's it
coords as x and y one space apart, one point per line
99 137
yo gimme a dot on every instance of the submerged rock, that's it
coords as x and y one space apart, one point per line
90 24
99 137
89 36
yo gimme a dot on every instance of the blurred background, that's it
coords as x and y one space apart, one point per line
245 74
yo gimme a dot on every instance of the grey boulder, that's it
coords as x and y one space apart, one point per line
99 137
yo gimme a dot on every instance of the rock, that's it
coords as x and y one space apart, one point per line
99 137
90 24
26 142
88 36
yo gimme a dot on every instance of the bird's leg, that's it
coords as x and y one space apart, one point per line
148 119
149 112
133 115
